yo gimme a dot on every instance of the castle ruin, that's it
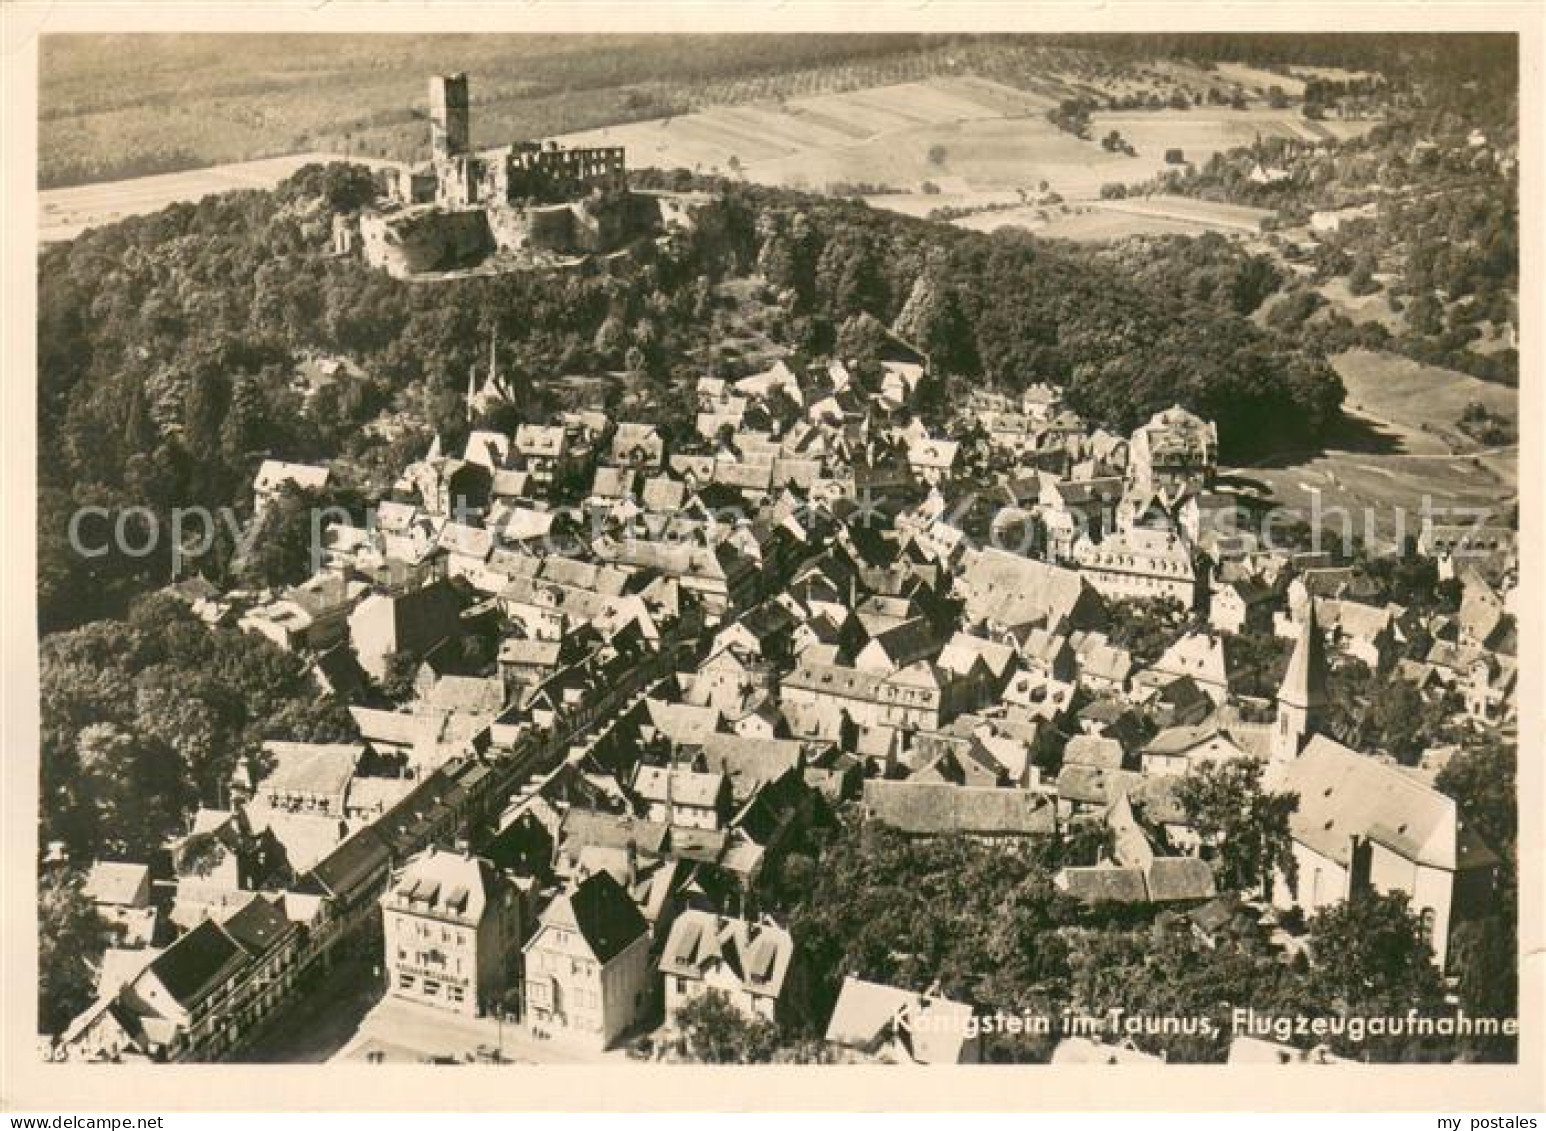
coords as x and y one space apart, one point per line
527 203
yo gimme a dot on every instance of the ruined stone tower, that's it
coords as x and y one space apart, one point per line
449 136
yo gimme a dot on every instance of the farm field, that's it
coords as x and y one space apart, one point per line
1084 222
989 137
65 213
114 107
1260 81
1384 496
920 204
1202 132
1400 450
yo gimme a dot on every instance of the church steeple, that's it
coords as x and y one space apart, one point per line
492 391
1302 697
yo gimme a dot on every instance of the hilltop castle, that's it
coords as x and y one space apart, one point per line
526 204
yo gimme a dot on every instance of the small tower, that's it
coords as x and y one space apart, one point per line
448 116
493 391
1302 698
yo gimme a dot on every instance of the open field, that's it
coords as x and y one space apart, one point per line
992 137
1400 451
65 213
113 107
989 137
1424 399
1258 80
1384 496
805 111
1117 219
1203 131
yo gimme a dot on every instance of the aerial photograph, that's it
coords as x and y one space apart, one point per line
787 549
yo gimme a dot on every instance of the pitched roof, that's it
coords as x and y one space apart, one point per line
678 785
1095 785
1091 750
682 723
751 762
193 966
311 767
963 649
932 1029
259 925
581 827
1174 878
757 954
603 914
1103 883
939 808
1343 794
1009 589
116 883
349 867
1304 684
446 885
274 473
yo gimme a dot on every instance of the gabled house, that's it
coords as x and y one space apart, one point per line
452 926
898 1026
753 964
588 973
680 795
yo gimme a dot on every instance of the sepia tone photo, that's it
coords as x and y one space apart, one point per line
626 550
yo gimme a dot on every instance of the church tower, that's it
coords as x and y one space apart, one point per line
1302 698
494 390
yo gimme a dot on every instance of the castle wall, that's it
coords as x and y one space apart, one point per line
411 243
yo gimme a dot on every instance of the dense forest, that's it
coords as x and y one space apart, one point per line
987 926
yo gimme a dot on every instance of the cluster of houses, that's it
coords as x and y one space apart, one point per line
602 686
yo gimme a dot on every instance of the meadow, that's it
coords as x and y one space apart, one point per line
1425 399
1400 451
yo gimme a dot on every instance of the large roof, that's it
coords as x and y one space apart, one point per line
931 1029
939 808
445 885
117 883
1344 794
198 962
1010 590
678 785
311 767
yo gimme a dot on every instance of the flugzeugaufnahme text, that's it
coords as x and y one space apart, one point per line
1284 1028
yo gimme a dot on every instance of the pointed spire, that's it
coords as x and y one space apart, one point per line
1304 684
493 356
